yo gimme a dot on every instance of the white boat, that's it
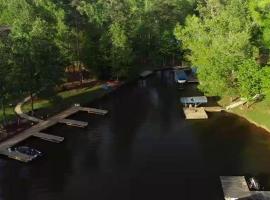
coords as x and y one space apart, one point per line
182 81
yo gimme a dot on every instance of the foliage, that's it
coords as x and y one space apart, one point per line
219 40
260 11
249 78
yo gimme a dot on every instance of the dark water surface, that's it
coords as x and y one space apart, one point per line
144 149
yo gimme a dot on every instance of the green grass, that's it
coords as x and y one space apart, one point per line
258 112
10 114
65 100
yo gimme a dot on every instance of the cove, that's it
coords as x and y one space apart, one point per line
144 149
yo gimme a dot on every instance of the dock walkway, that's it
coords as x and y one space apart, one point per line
48 137
213 109
18 111
75 123
235 187
93 111
146 74
37 129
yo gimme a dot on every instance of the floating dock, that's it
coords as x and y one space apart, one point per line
48 137
235 187
213 109
37 129
75 123
195 113
146 74
193 80
94 111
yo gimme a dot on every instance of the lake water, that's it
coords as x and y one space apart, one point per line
144 149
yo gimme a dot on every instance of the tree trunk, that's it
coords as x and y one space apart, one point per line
81 73
173 60
4 112
32 103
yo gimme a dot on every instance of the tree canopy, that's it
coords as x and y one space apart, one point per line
225 40
222 44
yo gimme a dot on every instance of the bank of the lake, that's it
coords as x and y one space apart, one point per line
258 113
45 107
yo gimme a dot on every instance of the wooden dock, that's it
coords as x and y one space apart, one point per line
146 74
192 80
37 129
94 111
235 187
75 123
195 113
48 137
213 109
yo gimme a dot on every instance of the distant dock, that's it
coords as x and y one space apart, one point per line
191 109
146 74
235 187
195 113
37 129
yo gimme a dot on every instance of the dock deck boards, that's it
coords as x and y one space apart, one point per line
48 137
235 187
38 128
213 109
195 113
72 122
94 110
146 74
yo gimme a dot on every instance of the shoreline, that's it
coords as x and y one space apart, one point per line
249 114
250 120
98 92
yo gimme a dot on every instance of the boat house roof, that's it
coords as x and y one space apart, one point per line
194 100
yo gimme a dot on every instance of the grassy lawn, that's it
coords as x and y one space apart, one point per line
258 113
65 100
9 113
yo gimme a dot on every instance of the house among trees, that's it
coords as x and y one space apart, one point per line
77 72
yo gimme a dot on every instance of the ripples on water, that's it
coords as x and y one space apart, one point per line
144 149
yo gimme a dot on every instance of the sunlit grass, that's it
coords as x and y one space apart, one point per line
64 100
258 112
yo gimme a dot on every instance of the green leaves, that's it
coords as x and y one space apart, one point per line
249 78
219 40
260 11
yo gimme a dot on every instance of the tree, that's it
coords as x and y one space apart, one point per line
6 78
218 40
36 59
249 78
260 11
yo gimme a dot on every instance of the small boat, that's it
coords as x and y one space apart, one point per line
182 81
28 151
253 184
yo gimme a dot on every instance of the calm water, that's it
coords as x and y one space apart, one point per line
144 149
